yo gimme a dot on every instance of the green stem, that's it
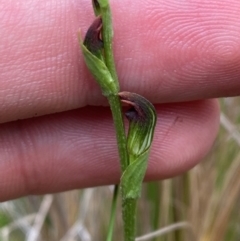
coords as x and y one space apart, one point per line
114 101
107 35
129 206
129 218
116 109
113 213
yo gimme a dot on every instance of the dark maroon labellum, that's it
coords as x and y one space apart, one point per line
92 39
138 111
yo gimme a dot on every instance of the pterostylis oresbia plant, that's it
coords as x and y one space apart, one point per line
133 148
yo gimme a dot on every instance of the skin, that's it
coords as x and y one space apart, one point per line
178 55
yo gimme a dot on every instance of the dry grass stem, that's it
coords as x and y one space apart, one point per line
165 230
78 228
40 217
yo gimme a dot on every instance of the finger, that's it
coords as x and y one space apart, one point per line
77 149
167 51
178 50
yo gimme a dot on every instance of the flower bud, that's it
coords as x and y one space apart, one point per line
142 119
92 53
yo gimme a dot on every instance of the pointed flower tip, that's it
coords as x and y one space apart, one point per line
140 107
96 7
92 39
96 4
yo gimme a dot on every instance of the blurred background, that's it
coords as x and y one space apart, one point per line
200 205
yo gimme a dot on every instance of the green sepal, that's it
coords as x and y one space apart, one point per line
100 71
140 137
132 178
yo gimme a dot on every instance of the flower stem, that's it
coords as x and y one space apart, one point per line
129 218
98 54
129 206
116 109
99 58
113 99
107 35
113 214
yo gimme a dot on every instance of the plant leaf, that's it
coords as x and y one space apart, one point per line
131 180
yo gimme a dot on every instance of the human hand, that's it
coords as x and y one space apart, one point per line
175 53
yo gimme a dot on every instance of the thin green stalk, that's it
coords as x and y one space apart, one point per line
129 206
129 218
113 99
113 214
116 109
107 35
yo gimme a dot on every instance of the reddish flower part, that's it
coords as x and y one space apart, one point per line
92 39
139 110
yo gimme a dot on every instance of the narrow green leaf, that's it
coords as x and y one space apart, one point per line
132 178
